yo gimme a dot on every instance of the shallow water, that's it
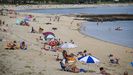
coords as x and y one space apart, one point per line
106 31
89 10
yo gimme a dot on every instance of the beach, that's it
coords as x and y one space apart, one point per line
35 61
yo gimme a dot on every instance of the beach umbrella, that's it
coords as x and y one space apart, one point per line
47 33
68 45
131 64
53 42
88 59
50 36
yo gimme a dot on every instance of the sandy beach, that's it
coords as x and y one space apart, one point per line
35 61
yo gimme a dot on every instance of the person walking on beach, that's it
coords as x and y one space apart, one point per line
33 30
58 18
97 22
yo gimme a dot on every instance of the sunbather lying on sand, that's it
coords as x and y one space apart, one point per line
103 72
75 69
12 45
113 59
71 68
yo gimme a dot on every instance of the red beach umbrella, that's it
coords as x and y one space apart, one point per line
53 42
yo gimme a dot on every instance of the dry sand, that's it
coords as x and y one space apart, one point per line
35 61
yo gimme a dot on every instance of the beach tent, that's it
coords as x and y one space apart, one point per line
88 59
68 45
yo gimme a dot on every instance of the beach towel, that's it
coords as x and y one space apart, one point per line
18 21
71 59
82 70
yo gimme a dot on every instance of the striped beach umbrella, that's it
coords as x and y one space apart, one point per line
88 59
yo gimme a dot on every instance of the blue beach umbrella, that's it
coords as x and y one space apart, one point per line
88 59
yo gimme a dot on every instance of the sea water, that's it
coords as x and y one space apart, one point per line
107 31
89 10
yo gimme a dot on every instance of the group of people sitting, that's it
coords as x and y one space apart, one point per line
6 12
84 53
53 45
69 60
113 59
70 68
24 23
13 45
68 63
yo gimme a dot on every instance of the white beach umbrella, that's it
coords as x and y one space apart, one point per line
68 45
50 37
